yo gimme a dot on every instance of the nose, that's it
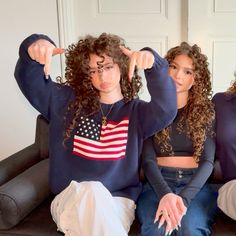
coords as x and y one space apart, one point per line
178 75
100 74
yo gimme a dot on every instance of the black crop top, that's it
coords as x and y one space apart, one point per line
199 178
181 144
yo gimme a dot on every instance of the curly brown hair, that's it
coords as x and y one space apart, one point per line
77 75
198 115
232 89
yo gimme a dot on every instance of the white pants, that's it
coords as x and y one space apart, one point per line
227 199
89 209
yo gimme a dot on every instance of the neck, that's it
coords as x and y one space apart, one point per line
182 99
110 99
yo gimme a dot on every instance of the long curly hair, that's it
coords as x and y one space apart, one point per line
198 114
77 75
232 89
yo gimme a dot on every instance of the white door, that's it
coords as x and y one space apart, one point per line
153 23
160 24
212 26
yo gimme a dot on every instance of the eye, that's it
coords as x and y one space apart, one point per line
92 72
108 67
172 66
188 72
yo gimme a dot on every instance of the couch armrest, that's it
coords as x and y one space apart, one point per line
22 194
18 162
216 176
41 136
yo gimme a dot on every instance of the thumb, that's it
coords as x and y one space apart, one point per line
57 51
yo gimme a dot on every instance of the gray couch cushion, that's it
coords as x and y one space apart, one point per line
20 195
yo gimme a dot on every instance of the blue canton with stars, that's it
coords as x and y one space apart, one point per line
89 128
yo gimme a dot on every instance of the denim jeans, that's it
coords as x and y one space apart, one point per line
200 213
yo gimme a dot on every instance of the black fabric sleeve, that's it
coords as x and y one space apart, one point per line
203 172
151 170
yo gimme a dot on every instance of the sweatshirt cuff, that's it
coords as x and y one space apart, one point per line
159 61
23 50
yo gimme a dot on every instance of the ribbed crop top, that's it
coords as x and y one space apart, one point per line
181 144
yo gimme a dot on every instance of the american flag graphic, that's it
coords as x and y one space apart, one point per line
101 142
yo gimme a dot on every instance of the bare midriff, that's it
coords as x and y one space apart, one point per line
177 161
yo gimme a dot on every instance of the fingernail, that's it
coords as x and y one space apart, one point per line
155 221
159 225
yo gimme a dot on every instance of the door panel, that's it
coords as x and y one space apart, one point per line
211 26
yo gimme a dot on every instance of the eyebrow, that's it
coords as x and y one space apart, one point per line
105 64
186 68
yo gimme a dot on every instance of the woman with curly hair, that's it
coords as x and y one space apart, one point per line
178 160
225 106
97 126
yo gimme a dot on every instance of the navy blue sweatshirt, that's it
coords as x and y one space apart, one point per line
90 156
225 106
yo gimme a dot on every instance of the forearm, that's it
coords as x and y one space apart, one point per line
151 170
30 77
202 173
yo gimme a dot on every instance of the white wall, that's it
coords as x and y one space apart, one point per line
18 19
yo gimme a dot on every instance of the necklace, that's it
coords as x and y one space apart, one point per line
104 117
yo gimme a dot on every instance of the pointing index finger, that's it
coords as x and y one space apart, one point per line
132 64
126 51
48 59
57 51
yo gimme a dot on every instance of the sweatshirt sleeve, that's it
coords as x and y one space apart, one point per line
30 77
151 169
202 173
162 108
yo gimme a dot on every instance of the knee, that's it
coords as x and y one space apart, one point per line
188 225
151 229
193 226
147 230
92 187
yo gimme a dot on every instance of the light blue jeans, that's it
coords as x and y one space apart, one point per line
200 214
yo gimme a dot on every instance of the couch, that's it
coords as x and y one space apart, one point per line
25 195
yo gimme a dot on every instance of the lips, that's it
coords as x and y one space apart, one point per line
178 84
105 85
